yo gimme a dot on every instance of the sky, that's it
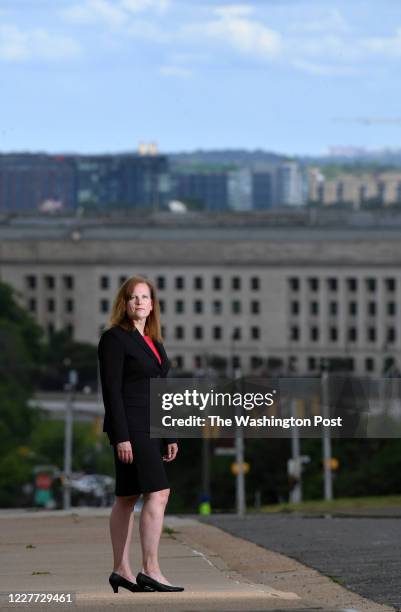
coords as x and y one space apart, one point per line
290 76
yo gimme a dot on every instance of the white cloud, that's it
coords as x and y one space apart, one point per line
331 21
234 28
176 71
17 45
323 69
115 13
139 6
389 46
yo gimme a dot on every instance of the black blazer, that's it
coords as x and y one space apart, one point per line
127 363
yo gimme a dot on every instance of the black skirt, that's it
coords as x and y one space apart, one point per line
146 473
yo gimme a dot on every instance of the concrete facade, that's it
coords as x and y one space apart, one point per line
294 293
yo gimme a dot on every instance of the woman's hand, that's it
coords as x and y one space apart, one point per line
124 452
172 450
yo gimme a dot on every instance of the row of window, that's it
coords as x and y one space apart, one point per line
351 334
217 332
351 283
353 308
197 283
198 306
31 281
50 303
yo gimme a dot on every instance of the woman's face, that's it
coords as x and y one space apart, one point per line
140 304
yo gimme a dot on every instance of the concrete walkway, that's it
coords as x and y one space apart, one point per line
70 552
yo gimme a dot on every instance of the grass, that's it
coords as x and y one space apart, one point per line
342 504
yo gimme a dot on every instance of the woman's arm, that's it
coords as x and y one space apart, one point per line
111 361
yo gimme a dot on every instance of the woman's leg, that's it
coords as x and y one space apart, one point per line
150 528
121 524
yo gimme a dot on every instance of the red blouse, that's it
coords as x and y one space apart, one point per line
152 346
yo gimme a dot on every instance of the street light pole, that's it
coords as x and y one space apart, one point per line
328 476
68 429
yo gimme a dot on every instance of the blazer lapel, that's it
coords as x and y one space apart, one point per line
142 342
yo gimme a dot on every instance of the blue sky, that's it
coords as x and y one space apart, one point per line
290 76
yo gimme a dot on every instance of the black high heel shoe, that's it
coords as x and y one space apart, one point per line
119 581
146 581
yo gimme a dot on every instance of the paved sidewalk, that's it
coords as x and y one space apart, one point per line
70 552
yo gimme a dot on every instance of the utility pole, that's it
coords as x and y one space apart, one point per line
68 429
326 439
239 459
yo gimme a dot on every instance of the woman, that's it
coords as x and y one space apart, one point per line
130 354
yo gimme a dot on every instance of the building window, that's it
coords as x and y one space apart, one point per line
198 332
179 332
217 283
332 284
256 362
163 331
122 280
104 282
236 334
294 307
162 305
371 285
311 364
353 308
371 309
236 283
69 305
313 284
255 307
160 282
255 283
236 362
236 307
50 329
333 334
314 333
198 283
179 282
294 332
352 334
390 284
255 332
32 305
198 306
217 307
314 308
69 328
333 308
179 306
178 362
369 364
371 334
352 284
104 306
50 282
51 305
31 281
216 332
391 308
293 283
68 281
391 335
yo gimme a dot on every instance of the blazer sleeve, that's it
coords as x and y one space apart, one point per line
111 364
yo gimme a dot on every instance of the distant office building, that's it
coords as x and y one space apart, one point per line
30 182
376 189
275 185
133 181
206 190
240 189
36 182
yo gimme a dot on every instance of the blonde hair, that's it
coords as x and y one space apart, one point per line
119 309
